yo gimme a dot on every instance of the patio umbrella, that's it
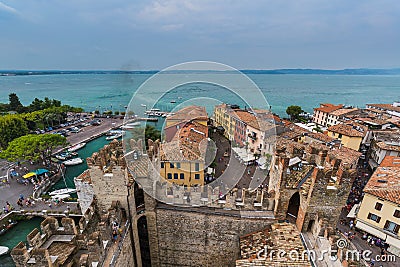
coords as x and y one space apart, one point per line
41 171
29 174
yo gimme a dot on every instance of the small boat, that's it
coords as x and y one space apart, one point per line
72 162
3 250
143 105
63 191
11 224
3 231
173 101
136 123
59 197
76 147
64 156
108 138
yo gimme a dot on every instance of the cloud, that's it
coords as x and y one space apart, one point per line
171 27
8 9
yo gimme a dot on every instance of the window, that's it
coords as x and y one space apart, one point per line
178 165
162 165
182 176
392 227
396 214
197 176
340 135
175 176
374 217
196 167
169 175
171 165
378 206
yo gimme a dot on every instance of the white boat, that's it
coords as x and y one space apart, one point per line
3 250
76 147
136 123
108 138
63 191
63 196
73 162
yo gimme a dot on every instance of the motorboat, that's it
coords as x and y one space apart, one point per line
66 155
173 101
72 162
3 250
76 147
63 191
60 197
108 138
115 132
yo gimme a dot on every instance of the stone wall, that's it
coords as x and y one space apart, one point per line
194 239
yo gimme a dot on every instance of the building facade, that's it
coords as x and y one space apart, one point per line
379 211
321 114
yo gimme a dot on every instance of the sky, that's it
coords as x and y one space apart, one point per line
152 35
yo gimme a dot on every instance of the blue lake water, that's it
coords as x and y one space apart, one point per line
114 91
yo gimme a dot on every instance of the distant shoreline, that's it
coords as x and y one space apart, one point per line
362 71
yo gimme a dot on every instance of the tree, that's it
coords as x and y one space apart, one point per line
11 127
116 112
33 147
294 112
15 104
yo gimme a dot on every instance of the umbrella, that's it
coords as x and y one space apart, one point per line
29 174
41 171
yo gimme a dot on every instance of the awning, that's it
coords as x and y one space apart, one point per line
352 213
372 230
29 174
393 241
41 171
294 161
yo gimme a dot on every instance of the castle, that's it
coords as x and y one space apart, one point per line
308 184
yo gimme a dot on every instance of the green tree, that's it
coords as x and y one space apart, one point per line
116 112
15 104
33 147
294 112
11 127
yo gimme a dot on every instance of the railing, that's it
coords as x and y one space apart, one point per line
120 244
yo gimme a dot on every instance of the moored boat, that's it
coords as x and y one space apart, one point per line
3 250
72 162
113 137
63 191
76 147
62 196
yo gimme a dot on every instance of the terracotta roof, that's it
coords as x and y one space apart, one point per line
343 111
348 130
187 144
281 236
327 107
245 116
384 146
384 182
385 107
187 114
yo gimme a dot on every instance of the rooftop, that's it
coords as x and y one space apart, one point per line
342 111
187 144
281 236
385 107
349 130
327 107
384 182
187 114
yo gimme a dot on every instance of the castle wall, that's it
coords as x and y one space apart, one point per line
194 239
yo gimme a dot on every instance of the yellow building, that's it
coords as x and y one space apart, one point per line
182 159
379 212
351 136
225 116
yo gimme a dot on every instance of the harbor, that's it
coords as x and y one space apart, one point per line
29 217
